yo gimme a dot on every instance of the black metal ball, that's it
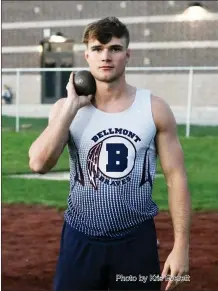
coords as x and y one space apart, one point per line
84 83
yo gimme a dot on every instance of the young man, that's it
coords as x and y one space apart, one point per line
108 239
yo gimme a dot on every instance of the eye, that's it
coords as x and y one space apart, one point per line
116 49
97 49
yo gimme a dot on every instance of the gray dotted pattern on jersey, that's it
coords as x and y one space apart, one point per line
109 210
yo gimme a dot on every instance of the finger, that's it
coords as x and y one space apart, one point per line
70 85
84 100
171 283
90 97
180 275
70 81
165 270
71 77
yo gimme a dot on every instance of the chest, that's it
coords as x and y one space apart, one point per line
112 132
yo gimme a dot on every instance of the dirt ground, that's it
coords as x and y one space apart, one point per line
30 244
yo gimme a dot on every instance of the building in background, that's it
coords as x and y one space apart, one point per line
163 34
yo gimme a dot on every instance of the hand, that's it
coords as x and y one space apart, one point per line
78 101
178 265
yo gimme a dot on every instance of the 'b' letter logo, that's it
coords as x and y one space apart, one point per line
117 157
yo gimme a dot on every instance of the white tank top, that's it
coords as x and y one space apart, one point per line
112 168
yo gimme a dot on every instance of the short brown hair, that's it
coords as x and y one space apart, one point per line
104 29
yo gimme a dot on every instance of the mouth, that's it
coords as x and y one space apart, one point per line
106 67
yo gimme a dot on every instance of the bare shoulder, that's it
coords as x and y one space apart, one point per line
56 108
60 102
162 113
159 103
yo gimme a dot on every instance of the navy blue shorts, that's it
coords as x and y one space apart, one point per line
127 263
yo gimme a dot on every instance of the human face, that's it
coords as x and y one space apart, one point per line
107 62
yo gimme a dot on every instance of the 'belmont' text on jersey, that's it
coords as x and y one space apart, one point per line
116 131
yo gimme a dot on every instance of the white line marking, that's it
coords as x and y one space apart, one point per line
83 22
58 176
133 45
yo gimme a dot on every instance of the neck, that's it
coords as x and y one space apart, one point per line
107 92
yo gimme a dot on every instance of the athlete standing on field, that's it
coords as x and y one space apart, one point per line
108 238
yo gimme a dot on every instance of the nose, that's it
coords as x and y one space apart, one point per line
106 56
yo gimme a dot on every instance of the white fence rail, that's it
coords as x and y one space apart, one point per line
132 70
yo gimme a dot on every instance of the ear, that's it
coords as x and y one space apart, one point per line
86 55
128 52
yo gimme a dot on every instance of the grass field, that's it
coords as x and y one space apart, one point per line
200 158
37 124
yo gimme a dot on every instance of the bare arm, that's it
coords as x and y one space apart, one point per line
172 163
47 148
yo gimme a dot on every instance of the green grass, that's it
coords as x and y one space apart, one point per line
201 164
35 191
204 193
198 131
38 124
15 148
200 158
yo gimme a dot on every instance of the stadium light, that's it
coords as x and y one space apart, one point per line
195 11
58 38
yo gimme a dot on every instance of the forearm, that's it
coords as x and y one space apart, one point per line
180 208
47 148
